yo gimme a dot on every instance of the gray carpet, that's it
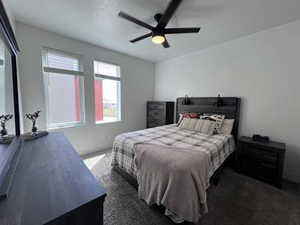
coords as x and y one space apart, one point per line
236 200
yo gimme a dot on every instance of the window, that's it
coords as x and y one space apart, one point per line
63 78
107 87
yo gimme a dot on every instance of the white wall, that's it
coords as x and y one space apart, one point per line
10 15
263 69
137 86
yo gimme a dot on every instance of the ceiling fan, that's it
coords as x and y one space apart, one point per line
158 33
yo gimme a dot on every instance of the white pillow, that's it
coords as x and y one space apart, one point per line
227 126
202 126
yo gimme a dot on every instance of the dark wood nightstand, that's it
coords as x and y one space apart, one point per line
263 161
159 113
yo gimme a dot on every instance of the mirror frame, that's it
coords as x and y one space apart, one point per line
8 36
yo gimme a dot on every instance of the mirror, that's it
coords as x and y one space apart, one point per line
9 103
6 92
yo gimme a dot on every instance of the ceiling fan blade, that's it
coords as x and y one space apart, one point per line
182 30
163 22
141 38
134 20
166 44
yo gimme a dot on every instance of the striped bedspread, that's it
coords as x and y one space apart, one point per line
219 147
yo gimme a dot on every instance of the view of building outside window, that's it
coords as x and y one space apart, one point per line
107 92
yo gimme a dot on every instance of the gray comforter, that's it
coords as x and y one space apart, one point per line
175 178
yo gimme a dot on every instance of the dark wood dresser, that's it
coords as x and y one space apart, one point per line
264 161
159 113
52 186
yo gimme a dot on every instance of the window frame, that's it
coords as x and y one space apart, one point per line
107 77
46 70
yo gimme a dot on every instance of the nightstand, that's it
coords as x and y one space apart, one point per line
263 161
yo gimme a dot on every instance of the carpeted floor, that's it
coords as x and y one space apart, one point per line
236 200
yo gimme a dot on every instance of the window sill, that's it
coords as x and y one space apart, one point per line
108 122
65 126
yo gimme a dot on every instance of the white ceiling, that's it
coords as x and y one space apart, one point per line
96 21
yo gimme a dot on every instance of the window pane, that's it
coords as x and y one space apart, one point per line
61 61
106 69
2 79
64 98
6 86
107 100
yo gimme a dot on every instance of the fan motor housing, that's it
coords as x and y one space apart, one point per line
157 17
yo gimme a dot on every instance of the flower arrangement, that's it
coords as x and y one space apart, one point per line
33 117
3 120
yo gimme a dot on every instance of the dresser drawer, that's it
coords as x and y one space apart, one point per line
156 106
159 122
156 114
151 124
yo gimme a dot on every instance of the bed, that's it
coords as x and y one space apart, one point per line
181 159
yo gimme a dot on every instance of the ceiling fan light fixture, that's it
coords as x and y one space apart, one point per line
158 39
159 31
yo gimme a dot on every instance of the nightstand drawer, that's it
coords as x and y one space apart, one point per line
259 153
261 170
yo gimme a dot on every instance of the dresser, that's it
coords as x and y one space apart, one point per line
159 113
264 161
52 186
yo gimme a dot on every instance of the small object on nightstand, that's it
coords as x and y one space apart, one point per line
259 138
264 161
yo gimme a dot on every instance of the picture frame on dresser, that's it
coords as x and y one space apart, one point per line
9 152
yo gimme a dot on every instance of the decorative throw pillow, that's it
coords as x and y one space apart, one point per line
188 123
180 119
218 119
202 126
227 126
205 126
187 115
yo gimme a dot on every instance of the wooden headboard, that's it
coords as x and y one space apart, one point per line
230 108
